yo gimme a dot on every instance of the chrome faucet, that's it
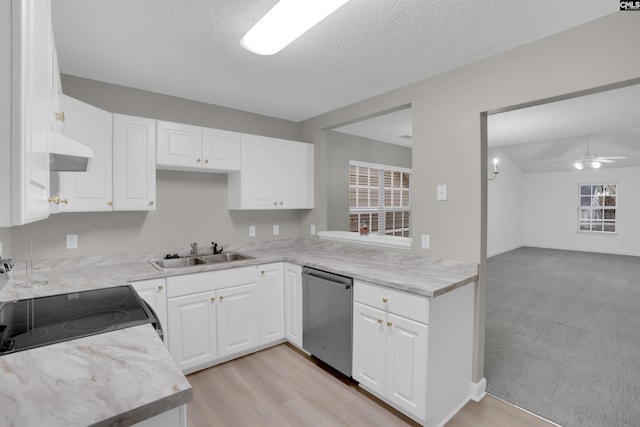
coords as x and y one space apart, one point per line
194 248
216 249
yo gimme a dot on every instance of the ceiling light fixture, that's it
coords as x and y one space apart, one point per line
285 22
595 164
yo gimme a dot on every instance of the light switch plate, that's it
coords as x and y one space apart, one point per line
252 231
72 241
276 229
442 192
425 241
313 229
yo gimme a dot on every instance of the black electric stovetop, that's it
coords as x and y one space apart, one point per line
27 324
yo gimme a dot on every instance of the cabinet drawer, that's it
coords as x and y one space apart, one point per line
209 281
412 306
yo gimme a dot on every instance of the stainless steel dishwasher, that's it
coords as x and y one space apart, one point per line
327 317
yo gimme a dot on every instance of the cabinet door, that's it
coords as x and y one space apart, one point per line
407 364
271 294
134 163
179 146
295 174
369 347
192 329
154 292
293 303
31 113
220 150
237 319
89 191
255 187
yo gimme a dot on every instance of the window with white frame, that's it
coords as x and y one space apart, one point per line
598 205
380 196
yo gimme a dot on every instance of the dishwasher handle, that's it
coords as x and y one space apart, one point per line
328 278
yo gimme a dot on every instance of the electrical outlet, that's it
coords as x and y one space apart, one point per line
442 192
313 229
252 231
276 229
72 241
425 241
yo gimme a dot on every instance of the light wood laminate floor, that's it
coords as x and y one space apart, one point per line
281 386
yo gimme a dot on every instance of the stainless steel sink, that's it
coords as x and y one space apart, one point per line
225 257
196 260
165 264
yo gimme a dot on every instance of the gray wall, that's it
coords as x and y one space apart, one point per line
191 206
340 149
449 145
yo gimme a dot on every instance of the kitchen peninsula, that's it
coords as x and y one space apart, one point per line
128 375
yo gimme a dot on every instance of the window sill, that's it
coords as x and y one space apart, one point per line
371 239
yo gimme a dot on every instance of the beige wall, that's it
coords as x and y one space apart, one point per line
340 149
191 206
447 138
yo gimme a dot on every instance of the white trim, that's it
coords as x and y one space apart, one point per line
370 239
380 166
524 410
479 390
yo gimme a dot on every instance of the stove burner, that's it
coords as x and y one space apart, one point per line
39 316
83 303
95 321
30 337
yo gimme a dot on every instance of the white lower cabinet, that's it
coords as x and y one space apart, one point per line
154 292
176 417
293 303
192 328
271 292
212 315
237 319
389 349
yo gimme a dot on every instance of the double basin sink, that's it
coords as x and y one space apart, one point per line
196 260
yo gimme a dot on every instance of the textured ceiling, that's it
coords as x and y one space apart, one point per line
394 128
190 48
536 137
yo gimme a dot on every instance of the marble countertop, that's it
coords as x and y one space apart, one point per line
128 375
116 378
405 271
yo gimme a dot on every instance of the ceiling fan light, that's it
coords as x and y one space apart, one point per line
595 164
285 22
578 165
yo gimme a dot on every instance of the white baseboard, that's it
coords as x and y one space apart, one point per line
479 390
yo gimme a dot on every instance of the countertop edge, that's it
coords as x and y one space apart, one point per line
147 411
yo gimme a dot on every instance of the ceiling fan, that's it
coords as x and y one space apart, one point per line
591 160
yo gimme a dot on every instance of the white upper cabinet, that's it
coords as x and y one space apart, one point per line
32 117
179 146
89 191
122 175
220 150
134 165
274 174
193 148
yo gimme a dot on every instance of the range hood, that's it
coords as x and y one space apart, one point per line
67 155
